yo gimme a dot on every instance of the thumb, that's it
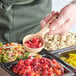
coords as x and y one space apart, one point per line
58 22
63 29
43 23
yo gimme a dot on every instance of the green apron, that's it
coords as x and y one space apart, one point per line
21 17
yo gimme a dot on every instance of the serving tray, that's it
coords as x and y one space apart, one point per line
7 67
57 53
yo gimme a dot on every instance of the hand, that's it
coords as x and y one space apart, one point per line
65 21
47 18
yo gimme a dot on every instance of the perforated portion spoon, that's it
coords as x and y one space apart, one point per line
39 35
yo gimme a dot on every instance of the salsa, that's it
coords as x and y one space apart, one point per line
34 43
38 67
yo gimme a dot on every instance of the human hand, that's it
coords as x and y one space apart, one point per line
48 18
65 20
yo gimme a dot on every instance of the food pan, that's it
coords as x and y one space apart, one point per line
55 42
0 64
8 67
59 50
12 52
64 53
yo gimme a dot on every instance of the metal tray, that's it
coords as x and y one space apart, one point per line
7 67
59 50
65 54
0 64
57 54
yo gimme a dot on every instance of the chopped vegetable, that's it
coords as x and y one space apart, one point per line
71 59
1 44
12 51
34 43
38 67
38 56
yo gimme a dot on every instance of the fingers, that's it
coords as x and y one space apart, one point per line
47 18
64 22
57 13
43 23
59 21
63 29
52 19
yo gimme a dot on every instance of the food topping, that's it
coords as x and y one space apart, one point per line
71 59
38 67
11 52
34 43
54 42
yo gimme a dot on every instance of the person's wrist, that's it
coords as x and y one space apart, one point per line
73 2
73 5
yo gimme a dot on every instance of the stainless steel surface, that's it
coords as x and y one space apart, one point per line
3 72
64 50
69 74
66 54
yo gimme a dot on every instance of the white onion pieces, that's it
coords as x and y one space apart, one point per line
54 42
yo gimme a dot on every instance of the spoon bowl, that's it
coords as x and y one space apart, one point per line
30 37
